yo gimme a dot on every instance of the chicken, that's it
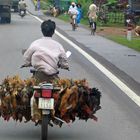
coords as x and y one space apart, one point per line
75 99
137 30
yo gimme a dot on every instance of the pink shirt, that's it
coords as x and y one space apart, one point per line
44 55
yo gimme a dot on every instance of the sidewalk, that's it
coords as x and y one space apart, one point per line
125 59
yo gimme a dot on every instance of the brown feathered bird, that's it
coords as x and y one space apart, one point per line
137 30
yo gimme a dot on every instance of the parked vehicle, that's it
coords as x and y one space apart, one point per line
15 5
5 11
135 6
133 11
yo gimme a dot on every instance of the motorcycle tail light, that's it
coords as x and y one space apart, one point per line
36 94
47 93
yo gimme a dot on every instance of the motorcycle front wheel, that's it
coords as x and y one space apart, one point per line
44 127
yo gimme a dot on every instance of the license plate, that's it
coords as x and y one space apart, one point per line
45 103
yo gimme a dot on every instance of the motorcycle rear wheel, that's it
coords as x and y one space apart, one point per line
92 28
73 24
44 127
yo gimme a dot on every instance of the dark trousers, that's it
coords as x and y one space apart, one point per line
91 23
42 77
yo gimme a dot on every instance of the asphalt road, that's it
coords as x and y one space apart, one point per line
117 120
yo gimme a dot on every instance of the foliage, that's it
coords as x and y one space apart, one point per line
111 1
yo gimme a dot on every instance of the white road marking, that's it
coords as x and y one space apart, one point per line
130 93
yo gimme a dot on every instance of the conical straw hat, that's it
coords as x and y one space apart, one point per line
92 7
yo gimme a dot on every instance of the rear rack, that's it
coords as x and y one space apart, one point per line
47 86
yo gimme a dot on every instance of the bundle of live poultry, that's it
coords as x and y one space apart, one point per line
74 100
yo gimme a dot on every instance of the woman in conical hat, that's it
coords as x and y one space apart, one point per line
92 11
92 7
92 16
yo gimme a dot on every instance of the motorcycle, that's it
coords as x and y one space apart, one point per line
73 22
43 100
22 13
92 27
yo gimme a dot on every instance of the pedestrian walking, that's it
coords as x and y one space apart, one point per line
79 15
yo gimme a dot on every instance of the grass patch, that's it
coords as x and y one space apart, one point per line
134 43
64 17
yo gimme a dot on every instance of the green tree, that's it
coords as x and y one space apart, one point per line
110 2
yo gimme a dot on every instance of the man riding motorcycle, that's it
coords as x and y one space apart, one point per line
46 55
22 6
73 12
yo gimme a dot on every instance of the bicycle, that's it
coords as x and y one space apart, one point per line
73 22
92 27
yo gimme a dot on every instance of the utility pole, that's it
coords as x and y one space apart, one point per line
38 5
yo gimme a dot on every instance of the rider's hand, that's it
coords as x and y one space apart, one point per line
67 69
22 66
25 65
23 51
59 64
